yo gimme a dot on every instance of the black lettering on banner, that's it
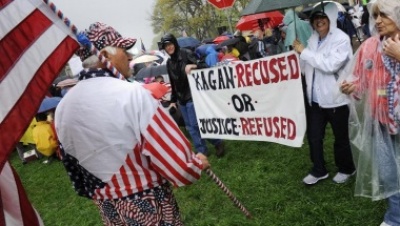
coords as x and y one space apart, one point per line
219 126
243 103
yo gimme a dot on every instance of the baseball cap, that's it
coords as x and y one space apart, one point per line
101 36
317 14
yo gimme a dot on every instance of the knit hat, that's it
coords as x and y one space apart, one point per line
101 36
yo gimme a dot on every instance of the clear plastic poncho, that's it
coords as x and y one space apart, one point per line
376 148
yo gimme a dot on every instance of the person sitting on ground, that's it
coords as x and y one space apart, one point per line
44 136
26 142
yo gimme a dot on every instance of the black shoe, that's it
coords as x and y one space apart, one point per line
24 162
220 149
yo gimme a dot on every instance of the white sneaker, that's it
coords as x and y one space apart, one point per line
310 179
341 178
384 224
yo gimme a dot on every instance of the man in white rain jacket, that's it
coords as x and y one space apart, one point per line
327 52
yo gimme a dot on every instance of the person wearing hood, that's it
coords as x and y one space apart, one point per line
327 53
296 29
181 62
372 80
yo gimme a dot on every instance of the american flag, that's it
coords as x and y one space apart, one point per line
34 47
143 48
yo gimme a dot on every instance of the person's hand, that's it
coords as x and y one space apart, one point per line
297 46
189 68
204 160
391 47
347 87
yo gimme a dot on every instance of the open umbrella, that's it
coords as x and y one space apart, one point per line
67 82
201 50
208 41
259 6
151 71
269 19
185 42
49 103
340 7
220 39
231 41
145 59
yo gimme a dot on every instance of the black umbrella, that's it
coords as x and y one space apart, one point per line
231 41
208 41
259 6
151 71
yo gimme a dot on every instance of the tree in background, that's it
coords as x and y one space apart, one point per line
197 17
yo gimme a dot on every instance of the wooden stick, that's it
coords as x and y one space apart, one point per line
228 192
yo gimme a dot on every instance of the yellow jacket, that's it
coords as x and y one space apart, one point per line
44 138
27 137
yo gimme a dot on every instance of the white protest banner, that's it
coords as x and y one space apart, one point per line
259 100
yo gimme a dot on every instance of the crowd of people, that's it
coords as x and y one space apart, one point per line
122 149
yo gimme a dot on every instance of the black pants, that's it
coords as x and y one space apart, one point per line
317 119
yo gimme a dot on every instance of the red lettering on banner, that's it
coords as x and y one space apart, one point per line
282 69
277 127
268 70
294 66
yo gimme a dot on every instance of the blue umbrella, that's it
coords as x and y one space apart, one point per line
49 103
201 50
185 42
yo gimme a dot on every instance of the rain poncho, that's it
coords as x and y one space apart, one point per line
296 28
376 148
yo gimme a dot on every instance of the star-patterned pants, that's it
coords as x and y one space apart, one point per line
155 206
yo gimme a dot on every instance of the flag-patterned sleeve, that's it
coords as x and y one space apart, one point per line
167 147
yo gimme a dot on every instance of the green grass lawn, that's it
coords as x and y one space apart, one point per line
264 177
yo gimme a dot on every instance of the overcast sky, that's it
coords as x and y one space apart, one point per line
128 17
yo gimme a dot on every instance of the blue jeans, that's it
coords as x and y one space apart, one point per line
392 215
189 116
388 172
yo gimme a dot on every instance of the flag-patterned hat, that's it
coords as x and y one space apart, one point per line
101 36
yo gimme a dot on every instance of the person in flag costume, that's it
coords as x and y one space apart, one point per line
373 82
121 148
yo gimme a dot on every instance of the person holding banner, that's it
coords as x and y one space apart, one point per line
373 82
328 51
121 148
179 65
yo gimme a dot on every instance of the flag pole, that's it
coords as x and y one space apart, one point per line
142 46
221 185
88 44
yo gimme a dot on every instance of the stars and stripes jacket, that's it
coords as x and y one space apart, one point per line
118 140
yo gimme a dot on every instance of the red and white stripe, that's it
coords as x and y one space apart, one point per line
166 151
16 208
34 47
